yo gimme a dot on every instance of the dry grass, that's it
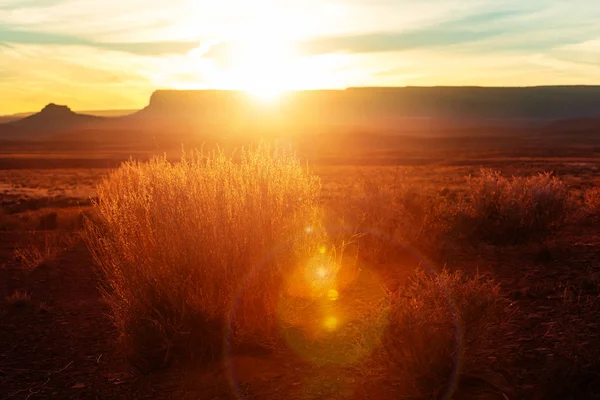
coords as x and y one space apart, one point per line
215 247
19 299
443 328
37 253
515 210
591 201
395 212
392 211
196 250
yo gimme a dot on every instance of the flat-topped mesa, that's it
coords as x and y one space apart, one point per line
474 103
180 101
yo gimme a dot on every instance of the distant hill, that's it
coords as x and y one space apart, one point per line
407 111
50 120
14 117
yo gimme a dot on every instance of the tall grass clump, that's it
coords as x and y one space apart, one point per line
197 251
36 253
515 210
443 329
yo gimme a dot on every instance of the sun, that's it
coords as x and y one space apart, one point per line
265 69
266 93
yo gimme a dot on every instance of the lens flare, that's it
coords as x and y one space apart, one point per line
322 272
331 323
333 295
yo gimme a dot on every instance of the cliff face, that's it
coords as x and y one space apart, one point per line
537 103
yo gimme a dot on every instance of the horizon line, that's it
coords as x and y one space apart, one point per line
21 113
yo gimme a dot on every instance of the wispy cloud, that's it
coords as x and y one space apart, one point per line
15 36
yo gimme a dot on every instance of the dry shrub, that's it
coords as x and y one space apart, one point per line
19 299
392 211
591 201
194 250
514 210
36 253
443 327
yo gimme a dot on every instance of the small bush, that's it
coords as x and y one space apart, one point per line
515 210
392 212
19 299
196 250
591 201
442 327
34 254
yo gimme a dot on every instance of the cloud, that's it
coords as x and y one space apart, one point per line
591 46
454 31
12 4
151 48
28 37
382 42
517 28
15 36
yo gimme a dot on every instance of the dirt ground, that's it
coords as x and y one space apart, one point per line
61 344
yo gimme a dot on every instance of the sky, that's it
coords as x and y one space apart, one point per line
112 54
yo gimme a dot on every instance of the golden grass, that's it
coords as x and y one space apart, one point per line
34 253
442 328
214 250
198 250
591 201
516 209
396 212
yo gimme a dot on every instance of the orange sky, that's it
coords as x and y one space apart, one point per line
113 54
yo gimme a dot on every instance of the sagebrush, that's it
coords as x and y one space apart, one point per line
517 209
442 327
395 212
392 213
197 251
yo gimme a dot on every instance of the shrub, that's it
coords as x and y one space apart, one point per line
442 328
19 299
591 201
514 210
35 253
194 250
392 212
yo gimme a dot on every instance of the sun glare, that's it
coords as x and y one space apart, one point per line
321 272
262 69
331 323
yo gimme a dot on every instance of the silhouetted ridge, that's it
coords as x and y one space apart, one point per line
54 118
475 103
391 110
56 111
